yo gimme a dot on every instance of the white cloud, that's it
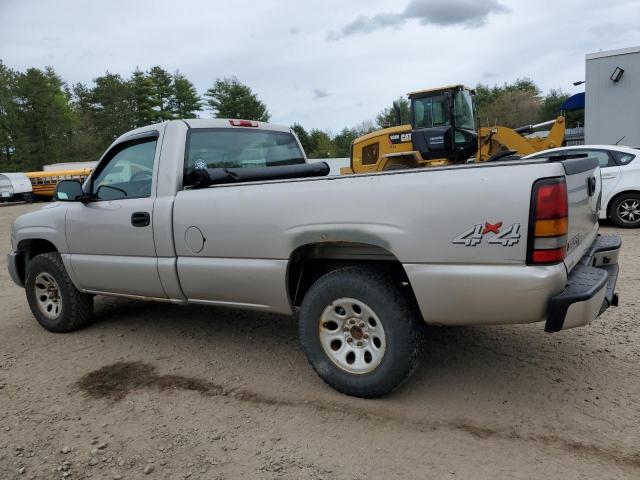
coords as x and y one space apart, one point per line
465 13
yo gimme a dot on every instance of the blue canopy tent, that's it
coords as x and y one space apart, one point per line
574 102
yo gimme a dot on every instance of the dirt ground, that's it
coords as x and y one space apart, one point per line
168 392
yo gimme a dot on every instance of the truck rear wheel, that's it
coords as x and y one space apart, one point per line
360 331
55 302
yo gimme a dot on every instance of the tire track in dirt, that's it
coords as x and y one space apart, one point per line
114 382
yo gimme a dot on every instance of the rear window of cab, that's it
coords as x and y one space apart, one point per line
240 148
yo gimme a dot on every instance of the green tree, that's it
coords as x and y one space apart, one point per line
141 99
303 136
343 141
44 119
161 93
111 107
387 117
185 101
87 145
7 113
550 108
512 105
228 98
323 145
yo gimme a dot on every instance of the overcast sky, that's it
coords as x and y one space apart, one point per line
325 64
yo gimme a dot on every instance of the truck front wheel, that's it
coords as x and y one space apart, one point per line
55 302
360 331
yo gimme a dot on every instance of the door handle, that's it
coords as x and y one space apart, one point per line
591 186
140 219
608 176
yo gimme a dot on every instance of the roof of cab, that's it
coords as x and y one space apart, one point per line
437 89
226 123
200 123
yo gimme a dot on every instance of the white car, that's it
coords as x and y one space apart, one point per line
620 171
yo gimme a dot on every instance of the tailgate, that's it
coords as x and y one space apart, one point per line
584 195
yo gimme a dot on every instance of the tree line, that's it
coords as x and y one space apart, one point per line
45 120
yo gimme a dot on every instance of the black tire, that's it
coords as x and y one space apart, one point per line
76 307
618 204
397 312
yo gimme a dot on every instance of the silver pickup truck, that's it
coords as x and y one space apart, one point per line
229 213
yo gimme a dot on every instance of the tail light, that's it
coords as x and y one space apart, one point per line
548 222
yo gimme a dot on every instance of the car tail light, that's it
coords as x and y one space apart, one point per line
549 222
243 123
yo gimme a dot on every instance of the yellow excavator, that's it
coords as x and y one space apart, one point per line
443 132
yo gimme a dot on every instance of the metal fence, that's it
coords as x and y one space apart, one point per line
574 136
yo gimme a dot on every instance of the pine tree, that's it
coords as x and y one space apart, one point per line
141 91
387 117
228 98
185 101
7 115
44 119
161 93
112 114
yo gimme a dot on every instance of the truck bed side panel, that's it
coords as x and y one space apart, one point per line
421 217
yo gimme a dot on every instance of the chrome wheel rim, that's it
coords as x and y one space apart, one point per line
352 336
47 293
629 210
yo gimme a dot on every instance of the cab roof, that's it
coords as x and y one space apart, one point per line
437 89
226 123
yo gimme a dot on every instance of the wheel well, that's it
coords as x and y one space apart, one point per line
30 249
310 262
615 197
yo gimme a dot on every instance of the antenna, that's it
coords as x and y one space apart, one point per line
622 138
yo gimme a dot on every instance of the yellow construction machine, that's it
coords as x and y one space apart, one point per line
443 132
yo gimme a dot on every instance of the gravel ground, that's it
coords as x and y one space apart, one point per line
160 391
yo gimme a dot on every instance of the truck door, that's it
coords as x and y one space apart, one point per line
110 238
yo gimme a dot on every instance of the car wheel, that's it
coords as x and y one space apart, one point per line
625 210
55 302
360 331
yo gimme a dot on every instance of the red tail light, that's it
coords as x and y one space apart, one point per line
548 223
551 200
243 123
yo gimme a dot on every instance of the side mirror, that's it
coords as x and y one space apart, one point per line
69 191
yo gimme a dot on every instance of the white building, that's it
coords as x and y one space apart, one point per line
612 102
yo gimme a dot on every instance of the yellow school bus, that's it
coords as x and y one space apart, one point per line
44 183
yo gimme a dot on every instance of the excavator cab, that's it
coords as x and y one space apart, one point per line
443 123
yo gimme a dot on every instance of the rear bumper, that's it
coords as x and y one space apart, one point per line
14 260
590 287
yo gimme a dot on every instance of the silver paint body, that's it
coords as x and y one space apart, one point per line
231 244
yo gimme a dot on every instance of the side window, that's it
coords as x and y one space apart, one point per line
128 174
370 154
603 157
622 158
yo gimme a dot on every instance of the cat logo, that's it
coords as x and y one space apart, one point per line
396 138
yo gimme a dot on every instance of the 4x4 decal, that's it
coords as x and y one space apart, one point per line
506 237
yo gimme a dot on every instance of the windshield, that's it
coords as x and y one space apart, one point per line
463 110
241 148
